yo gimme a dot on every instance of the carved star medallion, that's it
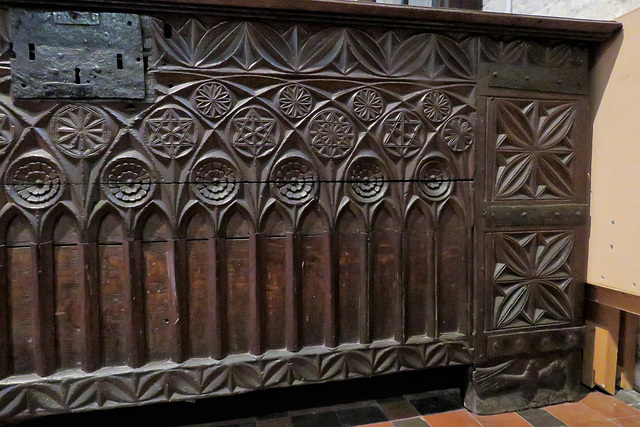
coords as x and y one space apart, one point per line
170 133
254 134
401 137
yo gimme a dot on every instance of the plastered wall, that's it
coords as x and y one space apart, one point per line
585 9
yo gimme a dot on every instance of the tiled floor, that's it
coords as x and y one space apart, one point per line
444 409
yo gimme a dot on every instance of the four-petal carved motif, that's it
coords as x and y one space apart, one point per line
534 151
532 278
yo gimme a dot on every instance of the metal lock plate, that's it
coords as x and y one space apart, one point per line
84 55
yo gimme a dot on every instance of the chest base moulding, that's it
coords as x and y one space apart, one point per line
231 198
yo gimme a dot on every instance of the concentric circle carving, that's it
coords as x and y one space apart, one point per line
368 104
295 181
212 99
295 101
34 183
458 133
170 132
214 181
436 106
434 178
368 181
80 131
255 132
332 134
128 182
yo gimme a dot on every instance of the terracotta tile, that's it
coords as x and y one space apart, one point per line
460 418
510 419
609 406
606 423
628 422
410 422
573 413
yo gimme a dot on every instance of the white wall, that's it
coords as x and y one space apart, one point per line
586 9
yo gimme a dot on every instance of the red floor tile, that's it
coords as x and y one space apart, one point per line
510 419
460 418
609 406
607 423
574 413
628 422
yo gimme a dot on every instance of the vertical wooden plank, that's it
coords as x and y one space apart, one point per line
313 289
220 297
5 348
331 279
351 253
607 329
400 334
588 354
275 295
215 298
627 350
385 271
419 271
159 320
365 293
238 295
89 260
198 260
45 323
254 288
23 299
178 296
135 331
293 291
69 303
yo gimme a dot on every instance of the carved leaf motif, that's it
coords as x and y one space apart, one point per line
215 379
532 277
410 358
277 372
410 55
81 393
13 400
246 376
46 397
151 386
534 151
320 50
117 389
183 382
305 369
453 56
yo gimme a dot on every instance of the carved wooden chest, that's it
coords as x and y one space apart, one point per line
211 199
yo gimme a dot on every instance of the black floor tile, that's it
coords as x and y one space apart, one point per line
398 409
540 418
436 403
413 422
359 416
324 419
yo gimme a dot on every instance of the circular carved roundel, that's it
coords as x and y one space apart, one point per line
6 130
295 181
34 182
295 101
214 181
368 180
434 178
127 182
332 134
458 133
212 99
436 106
80 131
368 104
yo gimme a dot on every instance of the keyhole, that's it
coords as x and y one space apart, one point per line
119 61
32 51
77 75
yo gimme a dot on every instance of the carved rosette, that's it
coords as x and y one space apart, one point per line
34 182
368 105
532 278
367 179
214 181
402 134
170 132
127 182
332 134
434 178
80 131
458 133
295 181
295 101
212 99
255 132
436 106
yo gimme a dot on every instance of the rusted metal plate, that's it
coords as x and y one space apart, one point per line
542 79
570 214
68 54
